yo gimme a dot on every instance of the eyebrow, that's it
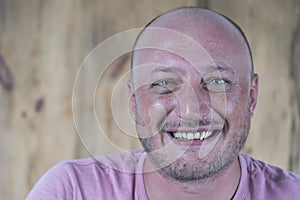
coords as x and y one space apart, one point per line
220 69
209 69
164 69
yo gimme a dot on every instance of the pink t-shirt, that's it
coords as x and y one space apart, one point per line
119 177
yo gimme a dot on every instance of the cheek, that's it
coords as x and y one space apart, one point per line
151 110
220 104
237 104
230 105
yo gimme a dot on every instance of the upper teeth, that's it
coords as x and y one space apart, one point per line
191 136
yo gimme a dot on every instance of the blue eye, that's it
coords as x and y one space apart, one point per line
164 82
164 86
217 85
217 81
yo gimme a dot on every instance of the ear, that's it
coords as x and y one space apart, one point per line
131 94
253 93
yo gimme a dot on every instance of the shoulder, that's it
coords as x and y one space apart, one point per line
272 173
125 162
86 177
270 180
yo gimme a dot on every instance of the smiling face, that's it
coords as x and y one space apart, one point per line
192 93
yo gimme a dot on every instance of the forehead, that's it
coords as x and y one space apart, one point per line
169 48
153 65
149 62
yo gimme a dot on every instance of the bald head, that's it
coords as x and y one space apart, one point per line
217 35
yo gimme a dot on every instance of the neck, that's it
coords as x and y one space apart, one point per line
159 186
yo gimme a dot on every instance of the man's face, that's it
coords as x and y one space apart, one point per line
192 110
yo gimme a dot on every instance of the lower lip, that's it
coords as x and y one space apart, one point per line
195 142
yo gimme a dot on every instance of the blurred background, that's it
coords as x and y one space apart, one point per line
44 43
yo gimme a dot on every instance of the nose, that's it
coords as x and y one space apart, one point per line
193 103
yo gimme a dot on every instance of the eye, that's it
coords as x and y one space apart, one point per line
217 81
217 84
164 86
163 83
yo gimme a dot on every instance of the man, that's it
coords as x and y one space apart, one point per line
193 92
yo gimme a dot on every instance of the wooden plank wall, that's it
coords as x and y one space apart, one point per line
43 43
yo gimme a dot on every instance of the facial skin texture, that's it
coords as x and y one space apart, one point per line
189 51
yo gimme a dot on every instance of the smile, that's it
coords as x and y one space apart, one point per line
194 136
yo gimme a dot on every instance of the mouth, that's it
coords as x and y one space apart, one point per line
194 135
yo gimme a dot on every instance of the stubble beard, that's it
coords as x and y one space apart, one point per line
183 171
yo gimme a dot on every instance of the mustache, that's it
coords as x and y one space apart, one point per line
191 123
